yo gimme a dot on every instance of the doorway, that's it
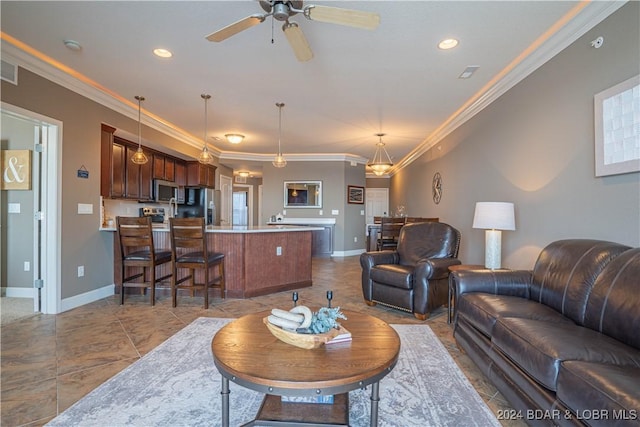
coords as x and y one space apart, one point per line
29 249
243 204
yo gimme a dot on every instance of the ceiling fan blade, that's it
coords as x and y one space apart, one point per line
336 15
235 28
298 41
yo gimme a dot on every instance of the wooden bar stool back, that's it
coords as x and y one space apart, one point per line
135 237
189 251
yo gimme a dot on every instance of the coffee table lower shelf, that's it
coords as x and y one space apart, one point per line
275 412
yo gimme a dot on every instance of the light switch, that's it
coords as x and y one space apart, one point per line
13 208
335 212
85 208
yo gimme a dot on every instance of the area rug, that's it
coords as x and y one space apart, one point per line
177 384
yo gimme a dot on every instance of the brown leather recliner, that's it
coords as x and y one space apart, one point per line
414 277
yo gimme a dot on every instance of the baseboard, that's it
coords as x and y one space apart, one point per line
353 252
13 292
86 298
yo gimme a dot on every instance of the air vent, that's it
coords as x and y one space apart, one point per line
241 179
9 72
468 72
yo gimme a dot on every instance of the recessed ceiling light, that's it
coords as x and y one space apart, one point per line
162 53
448 44
72 45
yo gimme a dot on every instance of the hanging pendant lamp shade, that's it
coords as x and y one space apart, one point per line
139 158
279 161
381 162
205 156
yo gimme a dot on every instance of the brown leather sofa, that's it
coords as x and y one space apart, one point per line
414 277
561 342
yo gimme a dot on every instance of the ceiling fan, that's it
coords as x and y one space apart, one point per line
283 10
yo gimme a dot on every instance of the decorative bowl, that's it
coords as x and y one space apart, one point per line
307 341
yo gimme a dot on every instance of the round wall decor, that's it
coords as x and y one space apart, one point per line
436 188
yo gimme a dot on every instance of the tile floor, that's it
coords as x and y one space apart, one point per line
48 362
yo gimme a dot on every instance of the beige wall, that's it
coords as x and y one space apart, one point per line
535 147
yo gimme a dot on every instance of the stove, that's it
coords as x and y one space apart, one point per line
156 214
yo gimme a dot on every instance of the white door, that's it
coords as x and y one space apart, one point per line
376 203
226 202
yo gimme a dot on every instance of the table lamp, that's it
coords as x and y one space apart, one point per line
494 217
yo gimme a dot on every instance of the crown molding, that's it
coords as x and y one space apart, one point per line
588 16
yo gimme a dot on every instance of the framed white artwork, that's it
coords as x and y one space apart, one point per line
617 128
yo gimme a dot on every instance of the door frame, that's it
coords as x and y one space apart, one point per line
50 197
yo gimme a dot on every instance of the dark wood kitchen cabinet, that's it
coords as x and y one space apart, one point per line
181 178
163 167
120 178
199 175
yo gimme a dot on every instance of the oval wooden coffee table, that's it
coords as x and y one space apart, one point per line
245 352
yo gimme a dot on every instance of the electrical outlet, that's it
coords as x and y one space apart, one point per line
355 239
278 250
335 212
80 270
27 266
321 212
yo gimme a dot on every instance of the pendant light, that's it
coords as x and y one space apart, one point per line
381 161
139 158
205 156
279 161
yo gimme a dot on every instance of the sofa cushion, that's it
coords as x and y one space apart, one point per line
538 347
482 310
400 276
588 387
566 270
613 307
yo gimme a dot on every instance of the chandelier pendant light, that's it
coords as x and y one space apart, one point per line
381 162
205 156
139 158
279 161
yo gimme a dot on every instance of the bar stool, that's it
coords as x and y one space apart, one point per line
189 250
135 236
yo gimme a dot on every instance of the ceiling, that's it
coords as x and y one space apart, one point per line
391 80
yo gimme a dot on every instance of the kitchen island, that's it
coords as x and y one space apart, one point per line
259 260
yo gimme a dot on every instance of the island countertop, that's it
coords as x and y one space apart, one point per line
259 260
241 229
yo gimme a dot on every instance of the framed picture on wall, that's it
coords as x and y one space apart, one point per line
355 194
617 128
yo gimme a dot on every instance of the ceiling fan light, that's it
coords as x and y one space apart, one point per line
234 138
298 41
336 15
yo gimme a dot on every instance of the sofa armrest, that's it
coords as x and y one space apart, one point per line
435 268
496 282
370 259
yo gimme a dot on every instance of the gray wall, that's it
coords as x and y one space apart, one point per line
535 147
335 177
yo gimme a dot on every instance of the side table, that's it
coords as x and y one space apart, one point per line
451 301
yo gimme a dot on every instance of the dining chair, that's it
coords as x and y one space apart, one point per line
412 219
189 250
389 232
137 249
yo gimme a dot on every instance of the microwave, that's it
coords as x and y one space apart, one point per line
163 191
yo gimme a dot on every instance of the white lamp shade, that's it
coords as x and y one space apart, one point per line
494 216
